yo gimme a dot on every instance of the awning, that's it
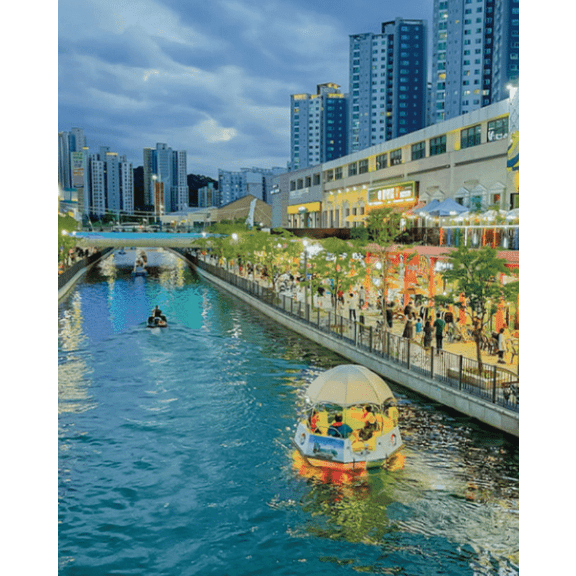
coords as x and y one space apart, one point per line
307 207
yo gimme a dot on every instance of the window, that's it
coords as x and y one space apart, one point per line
381 161
338 173
307 181
316 179
438 145
363 166
470 136
418 150
396 157
497 129
329 175
352 169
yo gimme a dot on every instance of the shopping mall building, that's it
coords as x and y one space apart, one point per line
472 159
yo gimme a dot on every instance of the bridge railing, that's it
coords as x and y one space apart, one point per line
497 385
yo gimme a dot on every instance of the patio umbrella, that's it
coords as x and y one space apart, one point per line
348 385
513 214
426 209
446 208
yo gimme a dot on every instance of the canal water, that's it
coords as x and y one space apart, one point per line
175 452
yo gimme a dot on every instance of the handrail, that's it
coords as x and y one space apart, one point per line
496 385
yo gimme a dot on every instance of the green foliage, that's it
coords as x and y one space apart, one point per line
475 273
66 224
359 234
228 227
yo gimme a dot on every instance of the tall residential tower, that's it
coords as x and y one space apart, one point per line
387 83
475 55
165 179
317 126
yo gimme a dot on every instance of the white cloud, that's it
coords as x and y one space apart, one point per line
212 132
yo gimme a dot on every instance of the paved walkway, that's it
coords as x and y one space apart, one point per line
372 316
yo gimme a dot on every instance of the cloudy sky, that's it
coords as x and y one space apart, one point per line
212 77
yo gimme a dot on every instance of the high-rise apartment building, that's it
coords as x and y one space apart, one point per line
475 55
387 83
108 183
318 125
165 170
68 144
255 181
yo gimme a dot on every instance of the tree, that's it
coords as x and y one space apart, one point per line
384 225
475 273
337 266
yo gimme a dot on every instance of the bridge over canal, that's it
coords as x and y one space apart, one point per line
138 239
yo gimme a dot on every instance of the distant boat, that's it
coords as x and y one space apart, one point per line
139 268
122 251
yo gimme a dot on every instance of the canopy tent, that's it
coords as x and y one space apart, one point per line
348 385
446 208
426 208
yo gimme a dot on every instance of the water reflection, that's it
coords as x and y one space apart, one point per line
73 371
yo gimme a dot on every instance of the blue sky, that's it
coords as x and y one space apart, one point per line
213 77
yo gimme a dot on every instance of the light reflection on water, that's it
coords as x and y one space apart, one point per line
176 455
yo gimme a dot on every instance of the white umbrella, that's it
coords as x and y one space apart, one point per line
492 214
347 385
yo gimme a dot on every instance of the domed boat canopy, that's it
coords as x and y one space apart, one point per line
347 385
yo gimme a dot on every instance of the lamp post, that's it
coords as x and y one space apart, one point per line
305 244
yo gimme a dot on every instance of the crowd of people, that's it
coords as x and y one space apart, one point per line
422 322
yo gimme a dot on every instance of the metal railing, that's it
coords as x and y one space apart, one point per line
496 385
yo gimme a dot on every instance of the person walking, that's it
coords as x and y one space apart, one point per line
428 331
501 346
439 326
351 307
389 315
408 328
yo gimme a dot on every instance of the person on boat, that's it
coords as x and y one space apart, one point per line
338 428
370 424
157 313
314 422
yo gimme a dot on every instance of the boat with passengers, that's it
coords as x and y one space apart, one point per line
351 422
157 319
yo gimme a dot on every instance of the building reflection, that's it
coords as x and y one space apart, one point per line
73 372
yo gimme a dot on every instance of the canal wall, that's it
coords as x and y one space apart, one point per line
70 276
486 412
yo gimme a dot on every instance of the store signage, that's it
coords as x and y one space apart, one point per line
401 194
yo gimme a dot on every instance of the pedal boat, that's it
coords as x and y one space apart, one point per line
347 390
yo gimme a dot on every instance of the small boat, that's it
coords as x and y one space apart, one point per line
122 251
157 322
351 423
139 268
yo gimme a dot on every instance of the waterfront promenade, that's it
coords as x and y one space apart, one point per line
450 378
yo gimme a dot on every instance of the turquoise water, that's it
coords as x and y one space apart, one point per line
175 454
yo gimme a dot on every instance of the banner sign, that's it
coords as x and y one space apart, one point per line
402 194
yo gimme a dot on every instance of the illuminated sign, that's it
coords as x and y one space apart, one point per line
389 195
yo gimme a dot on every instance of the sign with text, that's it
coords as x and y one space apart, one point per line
404 194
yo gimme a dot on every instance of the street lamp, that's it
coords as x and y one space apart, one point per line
305 244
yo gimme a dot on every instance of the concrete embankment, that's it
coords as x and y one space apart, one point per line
486 412
68 279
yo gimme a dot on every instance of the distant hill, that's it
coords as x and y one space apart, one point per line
195 182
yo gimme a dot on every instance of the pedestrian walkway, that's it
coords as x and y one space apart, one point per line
372 318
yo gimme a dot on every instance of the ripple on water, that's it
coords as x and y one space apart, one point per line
175 452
